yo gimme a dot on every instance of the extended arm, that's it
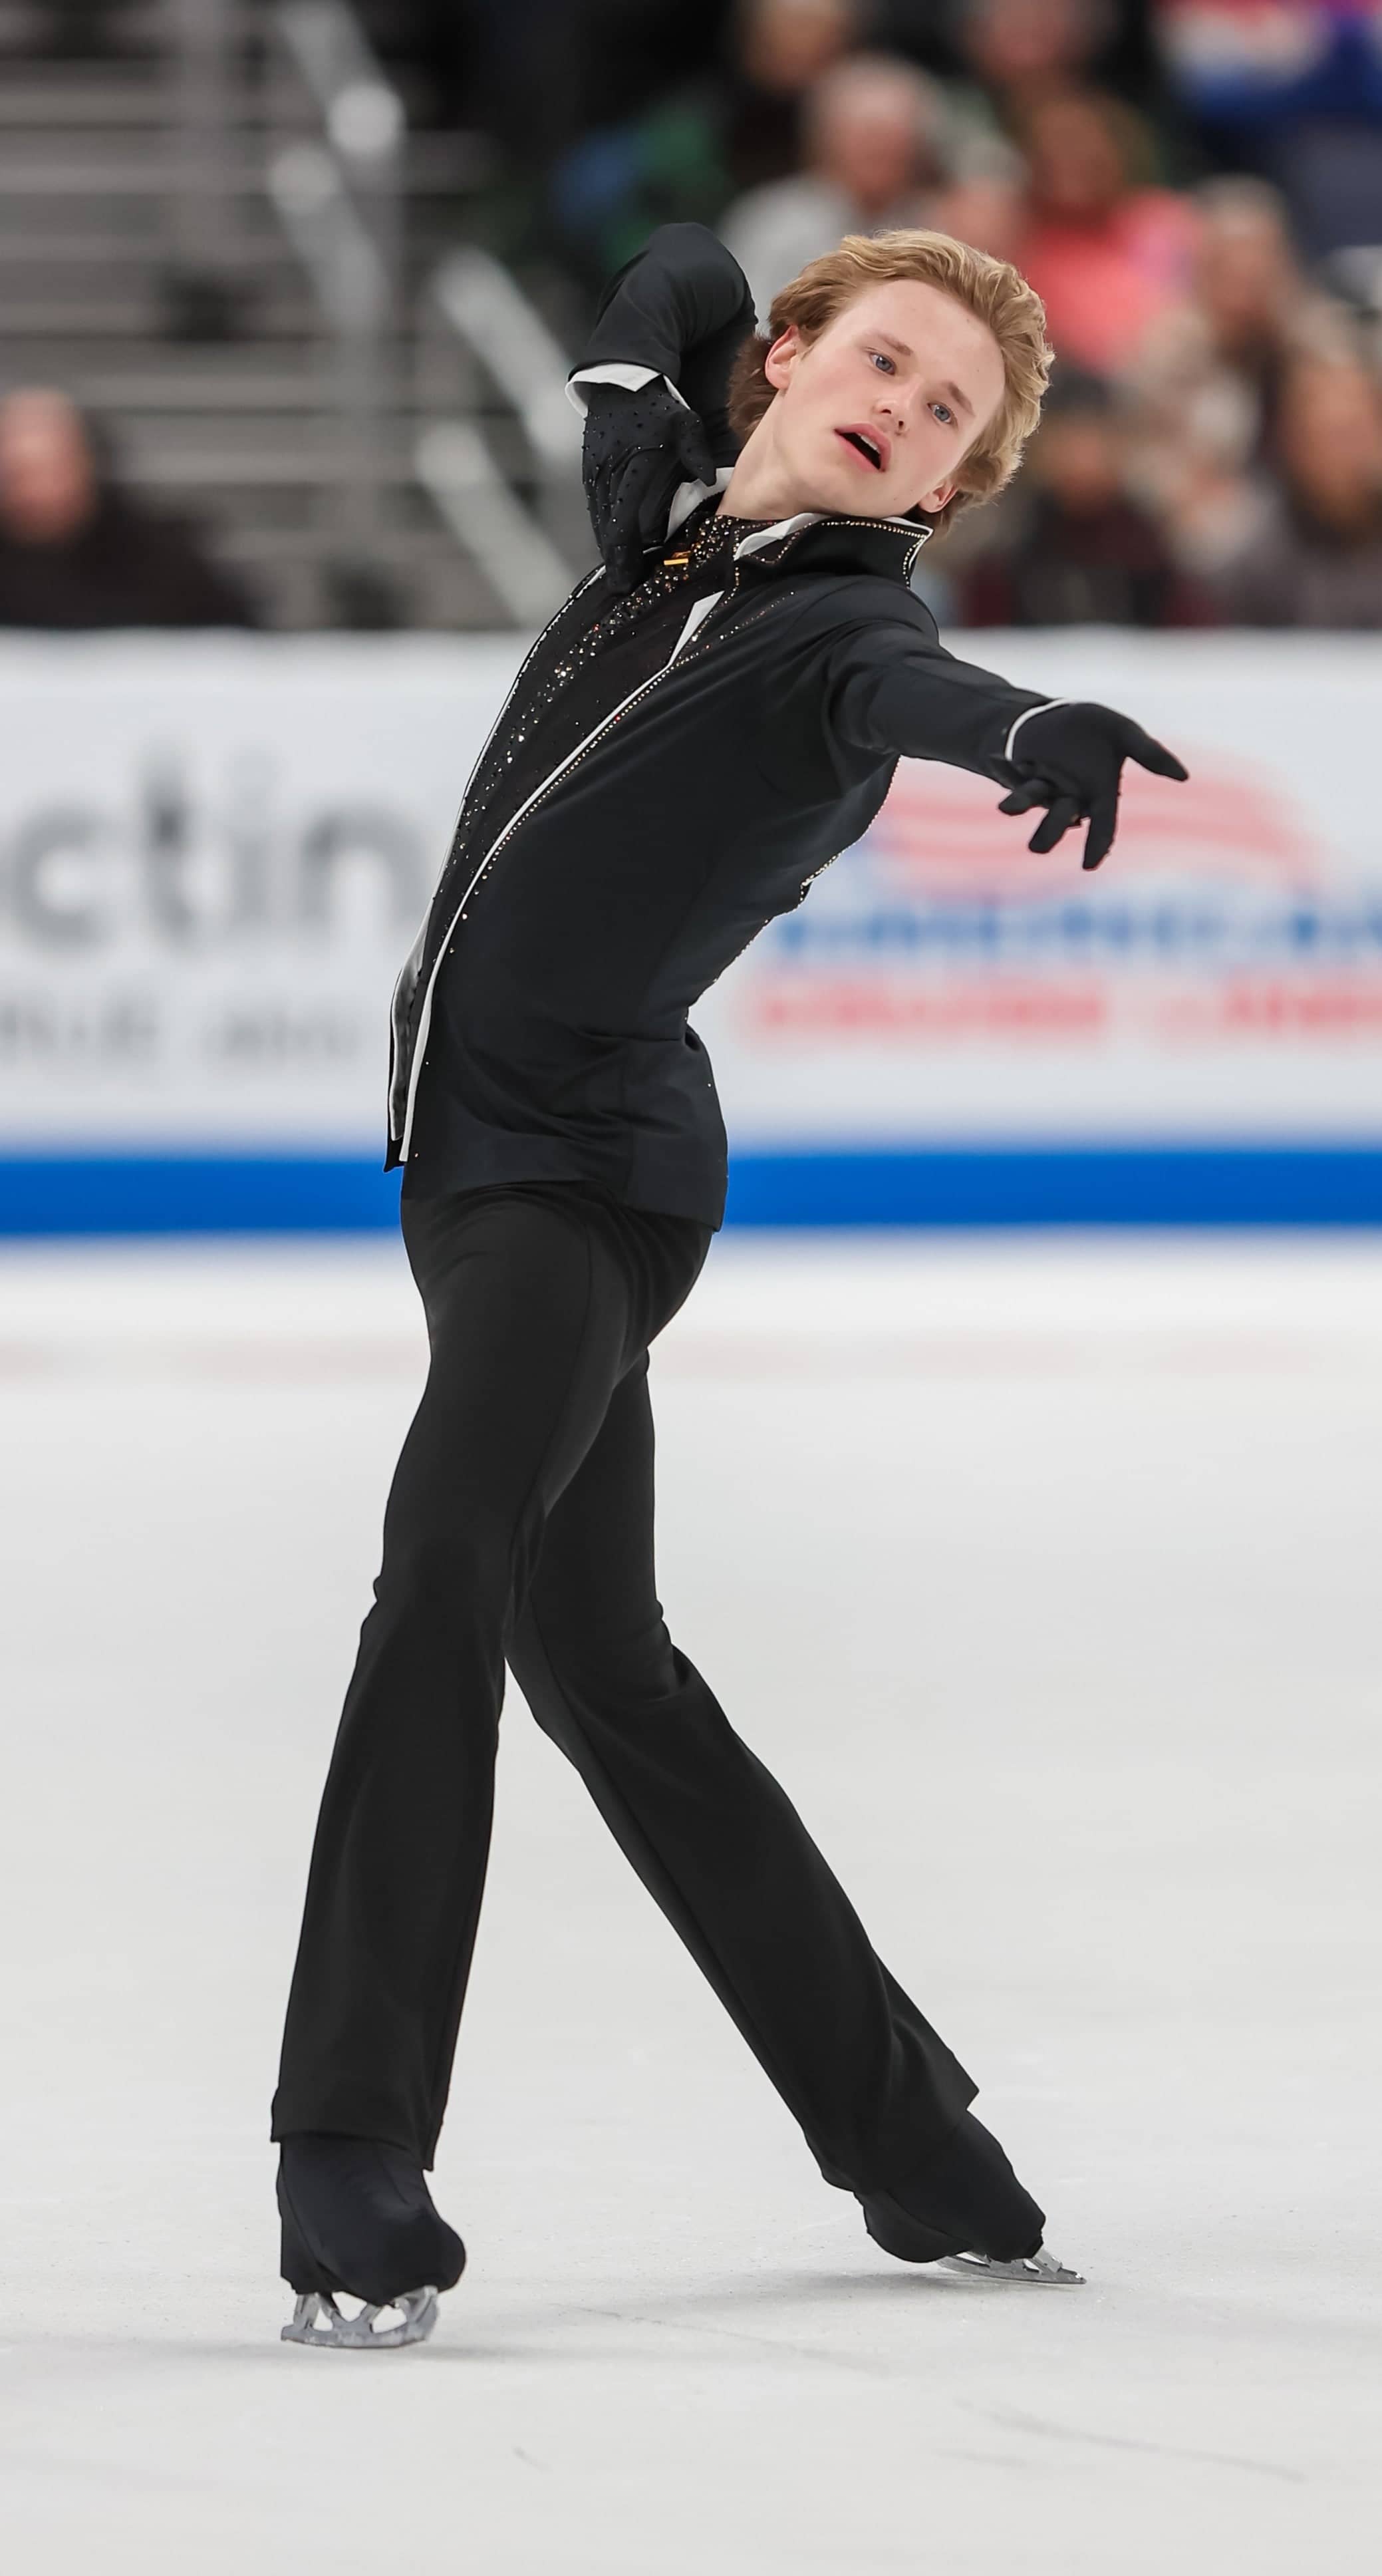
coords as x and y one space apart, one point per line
653 378
893 691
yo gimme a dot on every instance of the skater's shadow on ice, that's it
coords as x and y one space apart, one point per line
794 2289
500 2323
718 2306
503 2325
787 2315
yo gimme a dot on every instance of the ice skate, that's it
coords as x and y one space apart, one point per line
968 2212
1040 2270
317 2319
359 2221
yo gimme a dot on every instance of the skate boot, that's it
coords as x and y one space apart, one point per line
358 2218
967 2212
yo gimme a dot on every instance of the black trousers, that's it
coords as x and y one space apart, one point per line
520 1529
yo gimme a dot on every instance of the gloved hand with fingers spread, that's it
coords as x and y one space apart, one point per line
1069 757
638 447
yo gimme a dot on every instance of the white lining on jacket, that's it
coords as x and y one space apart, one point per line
699 612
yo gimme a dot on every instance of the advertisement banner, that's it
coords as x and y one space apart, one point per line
214 853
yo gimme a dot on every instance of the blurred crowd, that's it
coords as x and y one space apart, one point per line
1193 186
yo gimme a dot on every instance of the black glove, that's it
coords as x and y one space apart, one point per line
638 448
1070 759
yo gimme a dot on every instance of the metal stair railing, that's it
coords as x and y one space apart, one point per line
476 319
203 207
338 192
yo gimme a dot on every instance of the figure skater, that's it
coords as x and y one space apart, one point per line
712 715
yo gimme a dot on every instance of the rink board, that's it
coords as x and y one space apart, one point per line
103 1194
214 852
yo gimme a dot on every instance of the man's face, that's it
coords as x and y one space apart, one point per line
1078 459
786 44
1245 276
878 411
871 143
1075 160
47 481
1331 439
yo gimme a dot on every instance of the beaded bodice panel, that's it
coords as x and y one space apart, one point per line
586 673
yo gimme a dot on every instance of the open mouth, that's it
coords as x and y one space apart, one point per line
871 449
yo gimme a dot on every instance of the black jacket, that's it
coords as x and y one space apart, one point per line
575 939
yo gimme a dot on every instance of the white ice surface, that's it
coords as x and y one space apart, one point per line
1047 1577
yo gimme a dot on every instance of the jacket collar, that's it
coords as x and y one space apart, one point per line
811 542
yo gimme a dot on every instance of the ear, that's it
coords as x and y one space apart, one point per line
937 500
781 359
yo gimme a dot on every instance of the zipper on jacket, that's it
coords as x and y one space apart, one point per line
697 619
414 958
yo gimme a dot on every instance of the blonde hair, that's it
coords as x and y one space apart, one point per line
990 289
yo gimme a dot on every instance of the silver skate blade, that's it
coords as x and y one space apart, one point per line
317 2320
1039 2270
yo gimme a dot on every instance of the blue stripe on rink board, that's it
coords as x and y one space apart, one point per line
1150 1185
1143 1185
195 1194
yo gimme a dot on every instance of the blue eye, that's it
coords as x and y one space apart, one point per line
944 415
880 361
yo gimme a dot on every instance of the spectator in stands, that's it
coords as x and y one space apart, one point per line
1106 251
1013 48
987 210
1224 351
75 551
880 140
1209 375
1018 49
1292 90
782 48
703 141
1313 557
1081 551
